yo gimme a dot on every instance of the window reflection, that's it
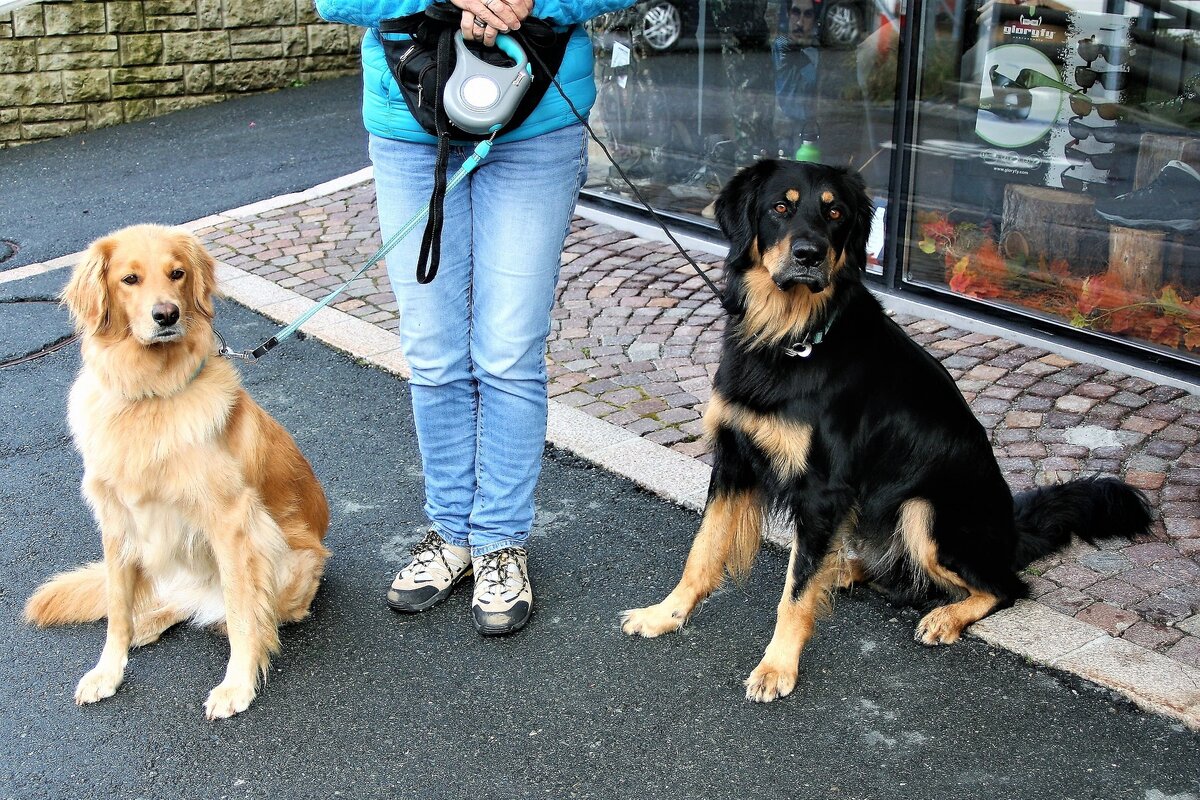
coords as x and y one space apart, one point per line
689 92
1055 166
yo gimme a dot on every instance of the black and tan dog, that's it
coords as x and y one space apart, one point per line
824 409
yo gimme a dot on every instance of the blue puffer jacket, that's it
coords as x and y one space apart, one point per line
384 110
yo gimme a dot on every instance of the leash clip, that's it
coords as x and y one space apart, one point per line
226 352
799 349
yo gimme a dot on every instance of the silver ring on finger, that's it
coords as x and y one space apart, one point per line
480 23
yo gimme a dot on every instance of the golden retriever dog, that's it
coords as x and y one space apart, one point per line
207 510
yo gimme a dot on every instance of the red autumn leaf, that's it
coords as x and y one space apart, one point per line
1163 330
1122 321
1191 339
1060 267
991 263
1102 292
974 285
939 229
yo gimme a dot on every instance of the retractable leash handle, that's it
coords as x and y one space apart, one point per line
480 97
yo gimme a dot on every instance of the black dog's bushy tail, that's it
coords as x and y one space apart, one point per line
1090 508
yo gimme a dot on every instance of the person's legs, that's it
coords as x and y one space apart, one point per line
434 328
523 196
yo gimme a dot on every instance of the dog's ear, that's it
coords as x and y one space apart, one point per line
737 208
202 269
863 215
86 293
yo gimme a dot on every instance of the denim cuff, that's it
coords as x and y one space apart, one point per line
450 538
491 547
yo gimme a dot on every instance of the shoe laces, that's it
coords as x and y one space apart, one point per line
425 554
500 573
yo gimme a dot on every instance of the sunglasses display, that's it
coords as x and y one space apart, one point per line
1107 134
1074 184
1087 78
1090 50
1105 161
1082 105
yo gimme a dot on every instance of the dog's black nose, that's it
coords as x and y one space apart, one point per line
165 314
806 253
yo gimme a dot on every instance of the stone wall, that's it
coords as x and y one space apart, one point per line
69 66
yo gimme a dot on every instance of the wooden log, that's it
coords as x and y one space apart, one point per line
1156 149
1181 253
1055 223
1137 259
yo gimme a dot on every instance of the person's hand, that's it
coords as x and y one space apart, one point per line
483 19
474 29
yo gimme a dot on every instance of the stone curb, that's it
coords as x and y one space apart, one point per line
1154 682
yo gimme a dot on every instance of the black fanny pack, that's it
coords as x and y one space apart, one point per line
421 62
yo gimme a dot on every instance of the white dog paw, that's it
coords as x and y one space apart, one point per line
651 621
228 699
97 684
767 683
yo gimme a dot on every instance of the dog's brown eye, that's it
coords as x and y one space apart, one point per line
129 280
781 208
834 214
177 275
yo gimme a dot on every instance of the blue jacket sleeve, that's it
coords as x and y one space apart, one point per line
367 13
568 12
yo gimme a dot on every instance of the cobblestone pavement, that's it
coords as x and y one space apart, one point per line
636 338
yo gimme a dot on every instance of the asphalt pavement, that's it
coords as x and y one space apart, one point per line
60 194
365 703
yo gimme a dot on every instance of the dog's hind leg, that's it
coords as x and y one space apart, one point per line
729 534
945 624
151 623
299 585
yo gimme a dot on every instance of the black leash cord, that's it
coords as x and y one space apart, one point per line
53 347
541 65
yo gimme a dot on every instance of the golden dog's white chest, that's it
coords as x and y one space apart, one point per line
159 442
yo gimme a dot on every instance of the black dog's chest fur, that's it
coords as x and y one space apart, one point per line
859 390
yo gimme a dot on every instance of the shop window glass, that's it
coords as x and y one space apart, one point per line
689 91
1056 165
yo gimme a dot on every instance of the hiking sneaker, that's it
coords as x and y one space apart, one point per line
1171 202
436 568
503 597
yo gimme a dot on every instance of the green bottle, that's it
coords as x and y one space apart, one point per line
808 151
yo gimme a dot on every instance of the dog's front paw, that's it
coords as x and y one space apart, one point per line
651 621
768 682
97 684
228 699
940 626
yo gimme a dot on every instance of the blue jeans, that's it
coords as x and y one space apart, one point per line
475 336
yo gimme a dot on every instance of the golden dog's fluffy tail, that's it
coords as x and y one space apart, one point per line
79 595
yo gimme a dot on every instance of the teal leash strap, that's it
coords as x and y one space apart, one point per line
481 151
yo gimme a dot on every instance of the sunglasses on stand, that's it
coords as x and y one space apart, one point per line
1082 105
1090 50
1107 134
1073 184
1087 78
1104 161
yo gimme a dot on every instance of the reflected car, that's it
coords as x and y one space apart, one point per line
667 25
